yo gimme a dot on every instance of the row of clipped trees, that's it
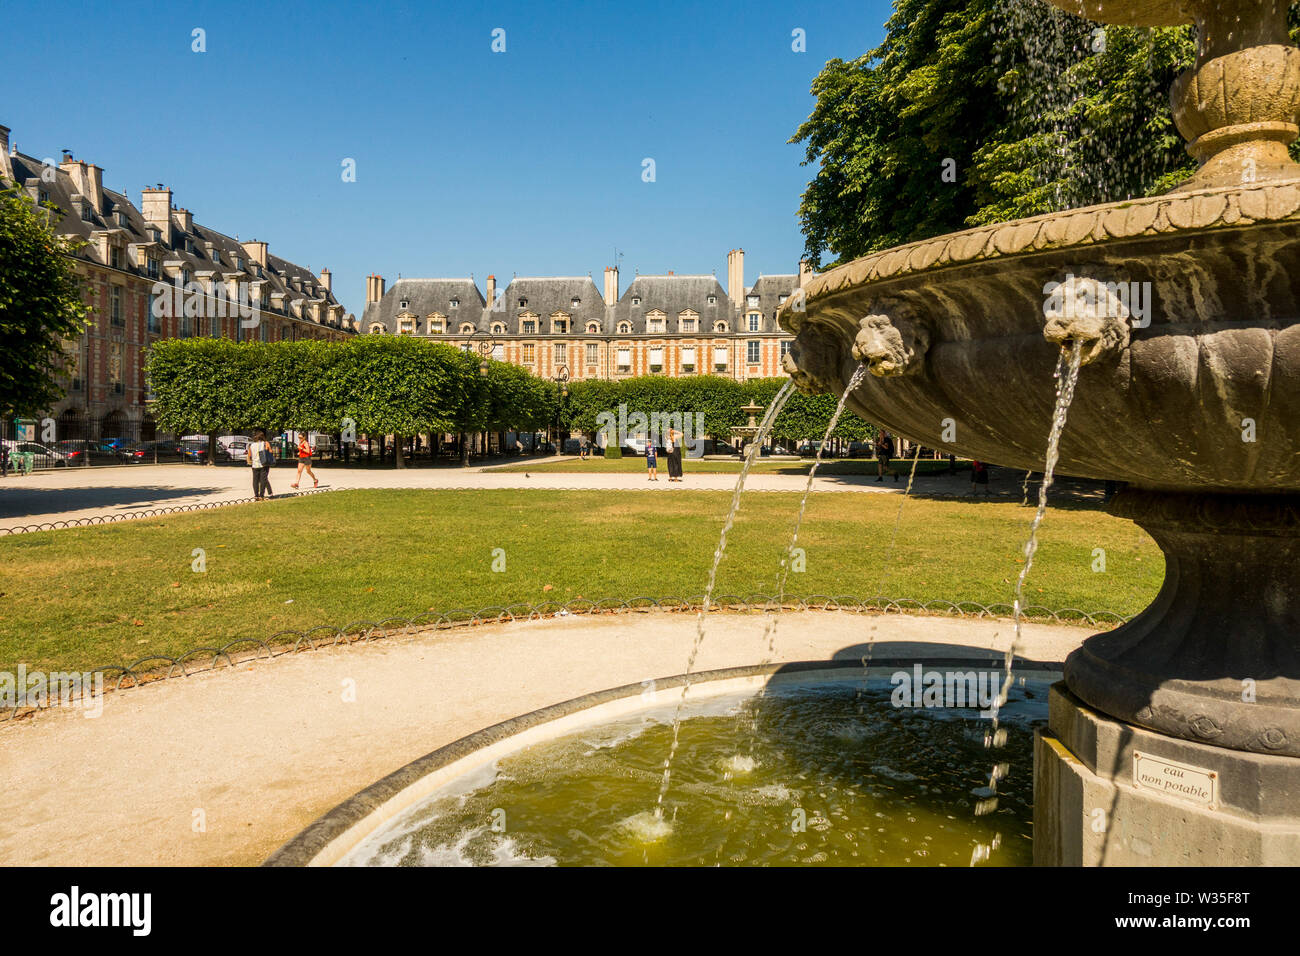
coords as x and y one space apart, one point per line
399 386
372 385
717 399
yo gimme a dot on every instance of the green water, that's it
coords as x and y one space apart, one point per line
829 776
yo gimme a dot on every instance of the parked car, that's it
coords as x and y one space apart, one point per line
195 452
77 451
114 444
808 450
149 451
43 456
861 449
236 448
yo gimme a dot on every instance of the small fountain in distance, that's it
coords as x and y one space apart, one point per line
1175 738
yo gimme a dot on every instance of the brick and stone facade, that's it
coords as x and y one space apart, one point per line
661 325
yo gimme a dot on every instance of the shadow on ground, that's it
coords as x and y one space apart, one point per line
18 502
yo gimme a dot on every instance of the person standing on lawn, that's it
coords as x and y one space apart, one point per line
674 450
651 461
260 456
979 475
305 451
884 452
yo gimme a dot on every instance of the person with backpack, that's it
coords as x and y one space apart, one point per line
260 456
884 452
305 451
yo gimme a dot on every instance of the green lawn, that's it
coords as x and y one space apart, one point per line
636 464
110 594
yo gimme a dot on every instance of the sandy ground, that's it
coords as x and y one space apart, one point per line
61 493
256 752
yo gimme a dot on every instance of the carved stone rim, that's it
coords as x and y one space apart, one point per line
1153 216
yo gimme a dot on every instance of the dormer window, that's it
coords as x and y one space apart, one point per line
752 301
523 303
713 300
151 266
377 329
593 327
625 328
466 328
239 263
636 300
528 327
216 256
498 328
115 256
121 218
575 302
86 212
185 276
719 326
189 245
403 304
455 303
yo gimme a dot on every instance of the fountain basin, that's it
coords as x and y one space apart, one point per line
371 827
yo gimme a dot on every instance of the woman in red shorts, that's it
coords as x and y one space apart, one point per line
304 461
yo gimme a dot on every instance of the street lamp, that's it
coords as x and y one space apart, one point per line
484 344
561 377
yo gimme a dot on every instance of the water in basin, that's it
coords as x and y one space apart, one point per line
836 776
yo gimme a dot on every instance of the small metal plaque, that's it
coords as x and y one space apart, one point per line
1193 784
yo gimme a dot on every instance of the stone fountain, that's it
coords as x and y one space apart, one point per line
745 433
1174 738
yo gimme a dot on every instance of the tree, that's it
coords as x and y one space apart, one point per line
976 111
40 305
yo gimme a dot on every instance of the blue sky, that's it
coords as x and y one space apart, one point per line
467 161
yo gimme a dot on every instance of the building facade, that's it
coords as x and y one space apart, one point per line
150 272
661 325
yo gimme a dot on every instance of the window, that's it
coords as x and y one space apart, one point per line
376 328
720 358
719 326
155 324
187 328
115 256
636 300
690 325
72 363
575 302
455 303
593 327
625 328
560 326
151 266
751 301
523 303
752 351
185 276
529 353
435 325
559 354
216 256
405 303
121 218
86 212
656 360
688 360
655 324
625 360
406 326
781 300
215 327
43 196
115 305
498 328
499 353
115 366
785 347
713 300
754 321
593 353
529 326
264 331
467 328
239 263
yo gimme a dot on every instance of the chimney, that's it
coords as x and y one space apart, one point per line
156 206
184 221
611 285
491 290
736 277
374 288
326 279
87 179
256 251
6 166
805 272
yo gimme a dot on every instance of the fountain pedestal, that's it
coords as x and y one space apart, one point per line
1107 793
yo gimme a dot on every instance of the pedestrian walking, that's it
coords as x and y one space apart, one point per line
884 452
674 451
651 461
305 451
584 448
260 457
